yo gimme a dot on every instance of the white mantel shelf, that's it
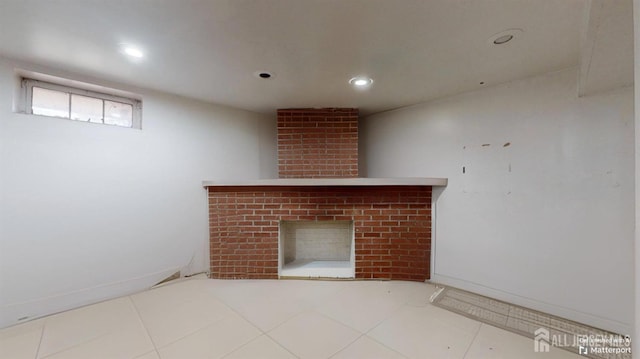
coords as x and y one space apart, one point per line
322 182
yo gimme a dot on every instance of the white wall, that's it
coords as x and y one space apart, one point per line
89 212
544 214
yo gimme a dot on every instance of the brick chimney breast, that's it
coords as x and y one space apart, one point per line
318 143
385 224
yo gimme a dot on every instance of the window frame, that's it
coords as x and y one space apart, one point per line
29 83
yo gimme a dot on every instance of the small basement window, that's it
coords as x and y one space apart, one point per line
55 100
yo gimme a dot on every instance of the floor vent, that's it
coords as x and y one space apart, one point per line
546 330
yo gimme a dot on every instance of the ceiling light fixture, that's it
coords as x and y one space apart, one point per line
264 74
504 37
361 81
133 52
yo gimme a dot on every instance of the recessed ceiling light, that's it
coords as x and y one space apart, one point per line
503 39
132 51
504 36
361 81
264 74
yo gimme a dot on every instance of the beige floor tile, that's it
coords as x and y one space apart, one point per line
213 341
267 304
169 316
492 342
318 292
65 330
444 316
421 297
201 318
272 308
312 335
363 307
268 313
21 341
403 288
367 348
239 292
425 332
127 342
261 348
150 355
170 294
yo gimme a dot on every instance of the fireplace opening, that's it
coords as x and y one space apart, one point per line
316 249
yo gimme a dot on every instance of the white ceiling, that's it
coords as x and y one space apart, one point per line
415 50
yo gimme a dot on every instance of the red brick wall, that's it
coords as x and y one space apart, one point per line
392 227
317 143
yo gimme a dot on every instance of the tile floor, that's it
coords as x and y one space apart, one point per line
205 318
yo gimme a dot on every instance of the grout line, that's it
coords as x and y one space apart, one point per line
189 333
393 312
401 307
346 346
150 351
44 322
336 321
89 340
472 340
231 309
194 331
235 311
258 337
383 345
146 330
77 345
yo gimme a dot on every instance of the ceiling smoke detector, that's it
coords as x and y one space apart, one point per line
503 37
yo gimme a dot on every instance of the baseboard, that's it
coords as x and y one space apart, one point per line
16 313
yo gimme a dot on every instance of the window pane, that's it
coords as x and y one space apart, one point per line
85 108
49 103
116 113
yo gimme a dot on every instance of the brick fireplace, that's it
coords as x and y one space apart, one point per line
318 143
384 224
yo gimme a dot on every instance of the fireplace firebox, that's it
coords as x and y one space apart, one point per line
316 249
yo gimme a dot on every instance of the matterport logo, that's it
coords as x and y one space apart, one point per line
604 344
583 344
